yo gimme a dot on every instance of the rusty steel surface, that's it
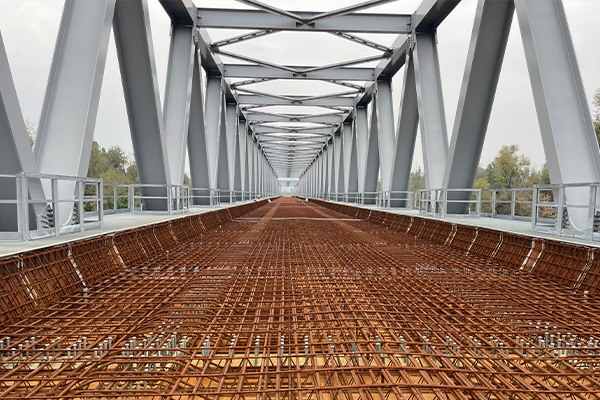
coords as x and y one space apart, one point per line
302 301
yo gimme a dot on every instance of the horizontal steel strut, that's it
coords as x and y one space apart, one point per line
302 301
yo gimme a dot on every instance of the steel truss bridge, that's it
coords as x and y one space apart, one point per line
234 141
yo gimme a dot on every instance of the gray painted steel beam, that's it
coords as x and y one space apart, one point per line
408 123
232 134
254 20
387 137
199 166
347 139
242 138
70 106
484 62
259 71
361 122
564 117
271 101
177 100
431 109
213 112
135 52
335 119
353 167
372 162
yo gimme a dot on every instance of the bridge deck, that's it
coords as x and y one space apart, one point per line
303 301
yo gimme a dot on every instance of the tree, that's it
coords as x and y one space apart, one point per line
417 180
509 169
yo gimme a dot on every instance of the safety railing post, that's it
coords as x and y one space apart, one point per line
513 204
22 207
478 206
101 203
534 208
115 198
130 194
560 215
55 203
80 193
591 211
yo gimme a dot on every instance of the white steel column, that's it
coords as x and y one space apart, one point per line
387 137
408 123
232 133
353 170
431 109
177 99
372 161
337 161
243 170
347 144
362 144
223 176
135 51
199 166
213 118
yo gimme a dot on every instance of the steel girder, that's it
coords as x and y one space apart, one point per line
261 20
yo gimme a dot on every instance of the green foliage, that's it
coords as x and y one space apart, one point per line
112 166
417 180
509 169
481 183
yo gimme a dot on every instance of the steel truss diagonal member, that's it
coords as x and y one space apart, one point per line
362 143
431 109
484 62
199 165
408 121
213 119
563 113
15 152
70 106
177 99
135 51
371 173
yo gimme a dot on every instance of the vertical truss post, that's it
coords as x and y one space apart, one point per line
337 161
431 109
237 177
15 152
563 113
199 166
66 128
372 160
243 170
353 170
408 121
330 172
135 52
361 121
255 168
177 99
484 62
325 184
231 134
387 136
347 144
213 119
249 163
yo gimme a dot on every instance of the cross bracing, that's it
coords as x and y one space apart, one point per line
237 114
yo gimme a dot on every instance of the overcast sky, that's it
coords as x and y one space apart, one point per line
29 30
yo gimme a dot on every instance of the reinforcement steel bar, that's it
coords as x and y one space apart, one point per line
302 301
